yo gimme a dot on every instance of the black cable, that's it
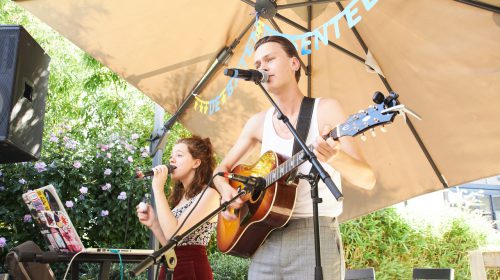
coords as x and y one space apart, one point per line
158 268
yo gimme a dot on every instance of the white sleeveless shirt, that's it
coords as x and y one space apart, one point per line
330 207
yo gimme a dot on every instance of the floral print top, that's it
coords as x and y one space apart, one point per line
201 236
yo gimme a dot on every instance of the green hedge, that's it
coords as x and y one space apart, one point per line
393 246
94 180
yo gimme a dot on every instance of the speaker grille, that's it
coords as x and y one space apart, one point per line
23 85
8 44
9 40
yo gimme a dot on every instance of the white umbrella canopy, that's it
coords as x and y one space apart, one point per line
441 57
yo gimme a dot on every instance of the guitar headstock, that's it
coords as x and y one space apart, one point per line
373 116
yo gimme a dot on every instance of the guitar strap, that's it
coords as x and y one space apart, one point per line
304 121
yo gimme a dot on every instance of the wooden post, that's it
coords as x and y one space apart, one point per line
480 260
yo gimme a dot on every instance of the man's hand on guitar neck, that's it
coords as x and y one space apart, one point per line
227 193
326 150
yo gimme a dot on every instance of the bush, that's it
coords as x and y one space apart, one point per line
389 243
94 180
226 267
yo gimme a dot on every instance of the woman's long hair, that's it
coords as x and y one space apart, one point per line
201 149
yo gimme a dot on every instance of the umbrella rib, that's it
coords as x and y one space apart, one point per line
426 153
302 4
248 2
275 25
309 56
330 43
355 31
238 39
408 121
222 57
481 5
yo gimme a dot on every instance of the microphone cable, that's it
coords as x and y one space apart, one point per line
116 251
71 261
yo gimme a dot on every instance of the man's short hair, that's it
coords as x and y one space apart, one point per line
287 46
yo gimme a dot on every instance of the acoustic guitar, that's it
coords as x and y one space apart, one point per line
267 210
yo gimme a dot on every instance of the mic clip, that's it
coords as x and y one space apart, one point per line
251 183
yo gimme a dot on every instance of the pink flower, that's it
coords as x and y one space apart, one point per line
106 187
122 196
3 242
69 204
40 166
107 172
27 218
71 144
77 164
130 159
134 136
53 138
129 147
108 155
84 190
104 213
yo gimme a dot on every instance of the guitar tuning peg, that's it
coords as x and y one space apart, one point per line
363 137
383 129
378 97
373 132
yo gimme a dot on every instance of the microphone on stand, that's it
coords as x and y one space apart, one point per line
256 183
256 76
141 175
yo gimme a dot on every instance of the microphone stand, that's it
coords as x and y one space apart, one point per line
317 171
167 251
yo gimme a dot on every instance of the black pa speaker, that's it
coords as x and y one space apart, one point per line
24 79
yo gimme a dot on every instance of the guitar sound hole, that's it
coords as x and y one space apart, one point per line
255 196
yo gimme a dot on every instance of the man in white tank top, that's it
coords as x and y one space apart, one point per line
288 252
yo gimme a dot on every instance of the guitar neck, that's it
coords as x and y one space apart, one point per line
294 162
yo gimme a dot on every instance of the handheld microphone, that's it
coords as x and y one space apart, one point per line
257 183
256 76
141 175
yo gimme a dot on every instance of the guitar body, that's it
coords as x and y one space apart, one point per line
261 213
270 209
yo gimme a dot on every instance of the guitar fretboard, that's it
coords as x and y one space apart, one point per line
294 162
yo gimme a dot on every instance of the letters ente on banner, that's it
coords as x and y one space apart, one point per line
301 42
